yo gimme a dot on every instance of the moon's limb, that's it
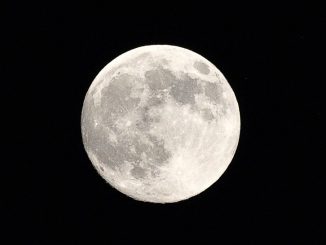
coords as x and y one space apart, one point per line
160 123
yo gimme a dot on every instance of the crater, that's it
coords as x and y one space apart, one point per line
201 67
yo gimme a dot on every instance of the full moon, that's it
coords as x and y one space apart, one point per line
160 123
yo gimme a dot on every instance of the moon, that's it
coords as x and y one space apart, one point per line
160 123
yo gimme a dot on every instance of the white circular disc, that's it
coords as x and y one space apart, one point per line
160 123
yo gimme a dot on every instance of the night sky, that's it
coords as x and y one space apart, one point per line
272 56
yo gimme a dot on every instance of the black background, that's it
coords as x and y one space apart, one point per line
272 56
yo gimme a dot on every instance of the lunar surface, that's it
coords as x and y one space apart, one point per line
160 123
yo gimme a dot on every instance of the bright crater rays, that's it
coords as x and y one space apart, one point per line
160 123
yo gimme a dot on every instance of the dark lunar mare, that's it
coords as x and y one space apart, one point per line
116 102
